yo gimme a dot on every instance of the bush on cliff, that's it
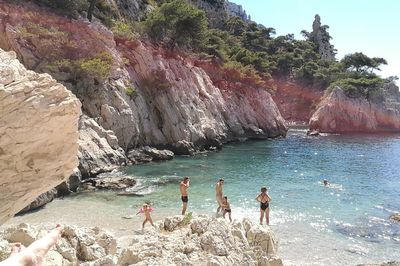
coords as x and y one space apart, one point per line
68 6
177 23
97 67
123 30
368 88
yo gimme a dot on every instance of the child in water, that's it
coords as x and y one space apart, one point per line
226 206
146 210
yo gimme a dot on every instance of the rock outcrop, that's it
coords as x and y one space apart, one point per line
337 113
38 134
40 201
111 182
99 150
203 241
77 246
321 38
177 240
237 10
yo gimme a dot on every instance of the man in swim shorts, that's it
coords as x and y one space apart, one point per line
184 185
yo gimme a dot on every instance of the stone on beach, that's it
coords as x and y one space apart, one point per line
395 217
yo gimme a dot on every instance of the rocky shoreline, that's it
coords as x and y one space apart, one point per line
178 240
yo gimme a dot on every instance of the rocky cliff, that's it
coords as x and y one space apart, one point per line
295 102
134 94
38 134
339 113
200 240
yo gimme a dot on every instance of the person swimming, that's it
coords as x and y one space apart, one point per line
325 182
264 200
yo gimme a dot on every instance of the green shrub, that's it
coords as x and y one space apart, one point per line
186 220
240 72
131 92
98 67
177 23
123 30
68 6
367 88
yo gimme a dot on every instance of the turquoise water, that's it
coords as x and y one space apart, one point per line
344 224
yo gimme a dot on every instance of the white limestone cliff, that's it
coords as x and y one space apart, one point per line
38 134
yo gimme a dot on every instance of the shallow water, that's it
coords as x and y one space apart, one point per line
343 224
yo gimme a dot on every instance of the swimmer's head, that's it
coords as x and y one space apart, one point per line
263 189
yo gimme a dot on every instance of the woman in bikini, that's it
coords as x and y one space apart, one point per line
264 200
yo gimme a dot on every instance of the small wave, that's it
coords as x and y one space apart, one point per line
372 229
166 179
385 209
357 249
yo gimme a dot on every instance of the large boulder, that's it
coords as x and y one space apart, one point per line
338 113
38 134
111 182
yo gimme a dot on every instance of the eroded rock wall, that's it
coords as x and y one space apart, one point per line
337 113
38 134
149 97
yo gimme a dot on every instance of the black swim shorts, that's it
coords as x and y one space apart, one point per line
184 198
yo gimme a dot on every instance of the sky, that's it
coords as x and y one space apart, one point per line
368 26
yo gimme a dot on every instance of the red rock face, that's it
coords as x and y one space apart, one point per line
338 113
296 103
39 36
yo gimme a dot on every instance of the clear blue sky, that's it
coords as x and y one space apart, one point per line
368 26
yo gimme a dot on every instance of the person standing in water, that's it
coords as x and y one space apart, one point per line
183 186
219 194
226 208
146 210
264 200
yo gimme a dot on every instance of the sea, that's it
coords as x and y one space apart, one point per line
344 223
